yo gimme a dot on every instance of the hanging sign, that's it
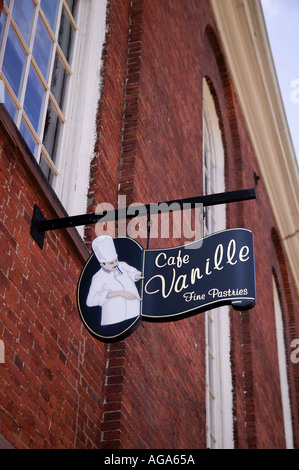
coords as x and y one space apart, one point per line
122 284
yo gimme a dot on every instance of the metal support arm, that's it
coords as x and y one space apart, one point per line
40 225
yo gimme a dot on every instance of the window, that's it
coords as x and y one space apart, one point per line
37 43
209 173
285 397
217 327
47 74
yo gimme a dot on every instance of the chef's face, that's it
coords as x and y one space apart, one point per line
111 266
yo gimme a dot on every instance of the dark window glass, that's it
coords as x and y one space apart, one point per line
66 36
59 82
34 98
14 61
42 48
22 14
52 132
50 8
27 136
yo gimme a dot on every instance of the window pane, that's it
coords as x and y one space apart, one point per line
45 168
66 36
49 8
10 105
59 82
14 60
27 136
72 4
34 98
2 22
42 48
52 132
22 14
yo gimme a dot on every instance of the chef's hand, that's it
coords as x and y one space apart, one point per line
138 276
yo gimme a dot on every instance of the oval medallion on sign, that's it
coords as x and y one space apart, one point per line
109 288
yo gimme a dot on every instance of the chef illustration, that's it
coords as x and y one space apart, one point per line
113 286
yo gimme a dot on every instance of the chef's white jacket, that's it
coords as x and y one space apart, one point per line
118 308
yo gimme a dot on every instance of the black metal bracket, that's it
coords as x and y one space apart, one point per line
36 233
40 225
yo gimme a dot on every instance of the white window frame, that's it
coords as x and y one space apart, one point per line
282 363
219 400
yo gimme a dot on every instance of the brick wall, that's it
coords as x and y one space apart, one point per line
165 144
51 383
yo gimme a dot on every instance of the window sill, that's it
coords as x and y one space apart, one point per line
16 144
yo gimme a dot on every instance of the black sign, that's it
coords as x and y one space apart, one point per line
123 284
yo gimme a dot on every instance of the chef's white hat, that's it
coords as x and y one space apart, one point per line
104 249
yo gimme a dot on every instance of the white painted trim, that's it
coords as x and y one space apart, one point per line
78 146
2 91
244 38
221 416
284 387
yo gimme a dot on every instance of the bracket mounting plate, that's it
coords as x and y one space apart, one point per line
38 235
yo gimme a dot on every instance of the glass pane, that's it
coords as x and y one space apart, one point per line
27 136
66 36
2 22
34 98
52 132
14 60
59 82
45 168
72 4
22 14
49 8
9 104
42 48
